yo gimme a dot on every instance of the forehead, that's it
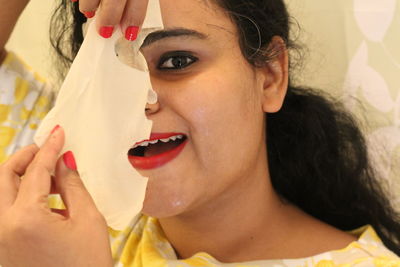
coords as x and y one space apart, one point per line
200 15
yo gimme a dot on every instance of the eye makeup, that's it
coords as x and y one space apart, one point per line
176 60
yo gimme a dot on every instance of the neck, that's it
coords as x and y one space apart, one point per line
230 228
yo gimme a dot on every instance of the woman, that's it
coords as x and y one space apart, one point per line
269 172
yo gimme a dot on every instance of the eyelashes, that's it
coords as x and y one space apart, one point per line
176 60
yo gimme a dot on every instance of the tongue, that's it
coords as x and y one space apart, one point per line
160 147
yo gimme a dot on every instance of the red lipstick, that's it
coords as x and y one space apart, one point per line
151 162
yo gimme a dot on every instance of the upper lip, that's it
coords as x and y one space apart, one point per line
157 136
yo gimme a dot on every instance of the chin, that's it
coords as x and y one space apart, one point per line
164 198
159 213
159 207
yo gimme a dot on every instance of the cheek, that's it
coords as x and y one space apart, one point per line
220 100
219 108
212 96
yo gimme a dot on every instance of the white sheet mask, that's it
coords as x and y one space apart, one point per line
129 53
101 107
152 97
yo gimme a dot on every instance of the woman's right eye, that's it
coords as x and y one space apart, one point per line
176 61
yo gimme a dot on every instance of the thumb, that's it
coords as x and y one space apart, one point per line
71 188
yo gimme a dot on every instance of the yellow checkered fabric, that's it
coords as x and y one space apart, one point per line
25 100
144 244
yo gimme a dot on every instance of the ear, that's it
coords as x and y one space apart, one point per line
275 76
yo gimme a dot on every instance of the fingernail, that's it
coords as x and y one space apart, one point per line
89 14
69 160
131 33
106 31
74 0
55 129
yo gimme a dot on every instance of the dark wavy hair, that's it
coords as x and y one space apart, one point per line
317 154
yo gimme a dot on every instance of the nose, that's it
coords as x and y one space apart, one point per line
152 108
152 105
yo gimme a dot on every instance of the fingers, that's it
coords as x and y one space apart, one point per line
63 213
10 173
109 16
88 7
130 14
18 163
71 188
36 184
133 18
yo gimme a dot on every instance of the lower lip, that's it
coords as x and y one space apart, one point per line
148 163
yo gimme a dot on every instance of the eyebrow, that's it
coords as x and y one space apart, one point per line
177 32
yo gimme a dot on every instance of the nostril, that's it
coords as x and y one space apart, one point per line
152 108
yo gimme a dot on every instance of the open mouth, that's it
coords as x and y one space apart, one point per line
157 151
156 147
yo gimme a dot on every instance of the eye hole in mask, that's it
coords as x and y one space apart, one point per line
128 52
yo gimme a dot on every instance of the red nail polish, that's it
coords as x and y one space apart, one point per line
55 129
106 31
89 14
74 0
69 160
131 33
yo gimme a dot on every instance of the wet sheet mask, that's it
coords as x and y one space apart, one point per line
101 107
152 97
129 53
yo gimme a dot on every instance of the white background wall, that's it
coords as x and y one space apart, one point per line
30 39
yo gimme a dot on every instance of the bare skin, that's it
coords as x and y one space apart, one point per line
116 13
290 234
9 14
3 54
74 237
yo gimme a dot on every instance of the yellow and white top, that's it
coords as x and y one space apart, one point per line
24 101
144 244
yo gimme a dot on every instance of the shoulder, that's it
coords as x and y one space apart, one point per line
13 66
25 98
368 250
332 247
19 80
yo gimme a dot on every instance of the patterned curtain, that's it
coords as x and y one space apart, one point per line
354 50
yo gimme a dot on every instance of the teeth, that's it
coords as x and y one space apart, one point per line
165 140
144 144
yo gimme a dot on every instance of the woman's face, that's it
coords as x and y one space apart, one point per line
209 92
